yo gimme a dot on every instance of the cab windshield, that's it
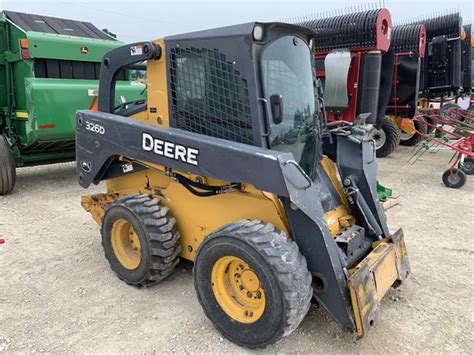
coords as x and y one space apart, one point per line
287 71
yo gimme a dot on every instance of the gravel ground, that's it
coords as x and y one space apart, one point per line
57 292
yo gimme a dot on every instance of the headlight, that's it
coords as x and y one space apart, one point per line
258 33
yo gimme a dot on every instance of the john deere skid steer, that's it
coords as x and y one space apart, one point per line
230 164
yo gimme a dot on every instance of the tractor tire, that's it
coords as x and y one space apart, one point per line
449 106
387 138
252 282
7 168
140 239
455 180
410 140
467 166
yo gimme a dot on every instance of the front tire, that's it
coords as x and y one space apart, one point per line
140 239
252 282
387 138
412 139
7 168
454 178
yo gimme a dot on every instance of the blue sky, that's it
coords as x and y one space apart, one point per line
143 20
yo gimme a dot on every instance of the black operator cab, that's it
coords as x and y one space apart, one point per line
263 96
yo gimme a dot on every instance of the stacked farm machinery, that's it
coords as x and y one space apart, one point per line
409 47
405 80
354 62
446 76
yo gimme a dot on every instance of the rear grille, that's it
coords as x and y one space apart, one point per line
208 96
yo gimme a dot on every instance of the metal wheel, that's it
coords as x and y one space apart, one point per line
126 244
379 137
238 289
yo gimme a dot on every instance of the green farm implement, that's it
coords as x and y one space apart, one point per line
49 69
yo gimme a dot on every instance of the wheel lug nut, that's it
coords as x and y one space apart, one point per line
249 294
241 287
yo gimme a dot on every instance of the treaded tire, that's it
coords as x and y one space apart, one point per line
158 235
468 166
282 271
7 168
458 181
392 138
416 137
448 106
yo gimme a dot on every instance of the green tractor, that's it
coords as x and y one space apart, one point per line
49 69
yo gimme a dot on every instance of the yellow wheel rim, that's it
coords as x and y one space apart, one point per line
238 289
126 244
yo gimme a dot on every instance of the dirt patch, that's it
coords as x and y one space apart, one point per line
57 292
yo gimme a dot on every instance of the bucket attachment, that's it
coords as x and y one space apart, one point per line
386 266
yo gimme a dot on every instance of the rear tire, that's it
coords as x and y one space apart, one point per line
387 138
454 180
411 140
279 278
140 239
7 167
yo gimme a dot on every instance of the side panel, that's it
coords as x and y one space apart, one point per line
47 45
52 106
198 216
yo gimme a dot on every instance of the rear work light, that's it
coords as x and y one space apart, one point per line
25 54
24 43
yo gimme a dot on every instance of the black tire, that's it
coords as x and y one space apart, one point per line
410 140
387 138
283 274
429 129
446 108
7 168
467 166
157 233
455 180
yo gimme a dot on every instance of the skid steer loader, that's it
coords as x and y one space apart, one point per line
231 164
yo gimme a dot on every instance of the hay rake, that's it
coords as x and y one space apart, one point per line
451 130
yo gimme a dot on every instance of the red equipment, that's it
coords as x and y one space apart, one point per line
454 130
